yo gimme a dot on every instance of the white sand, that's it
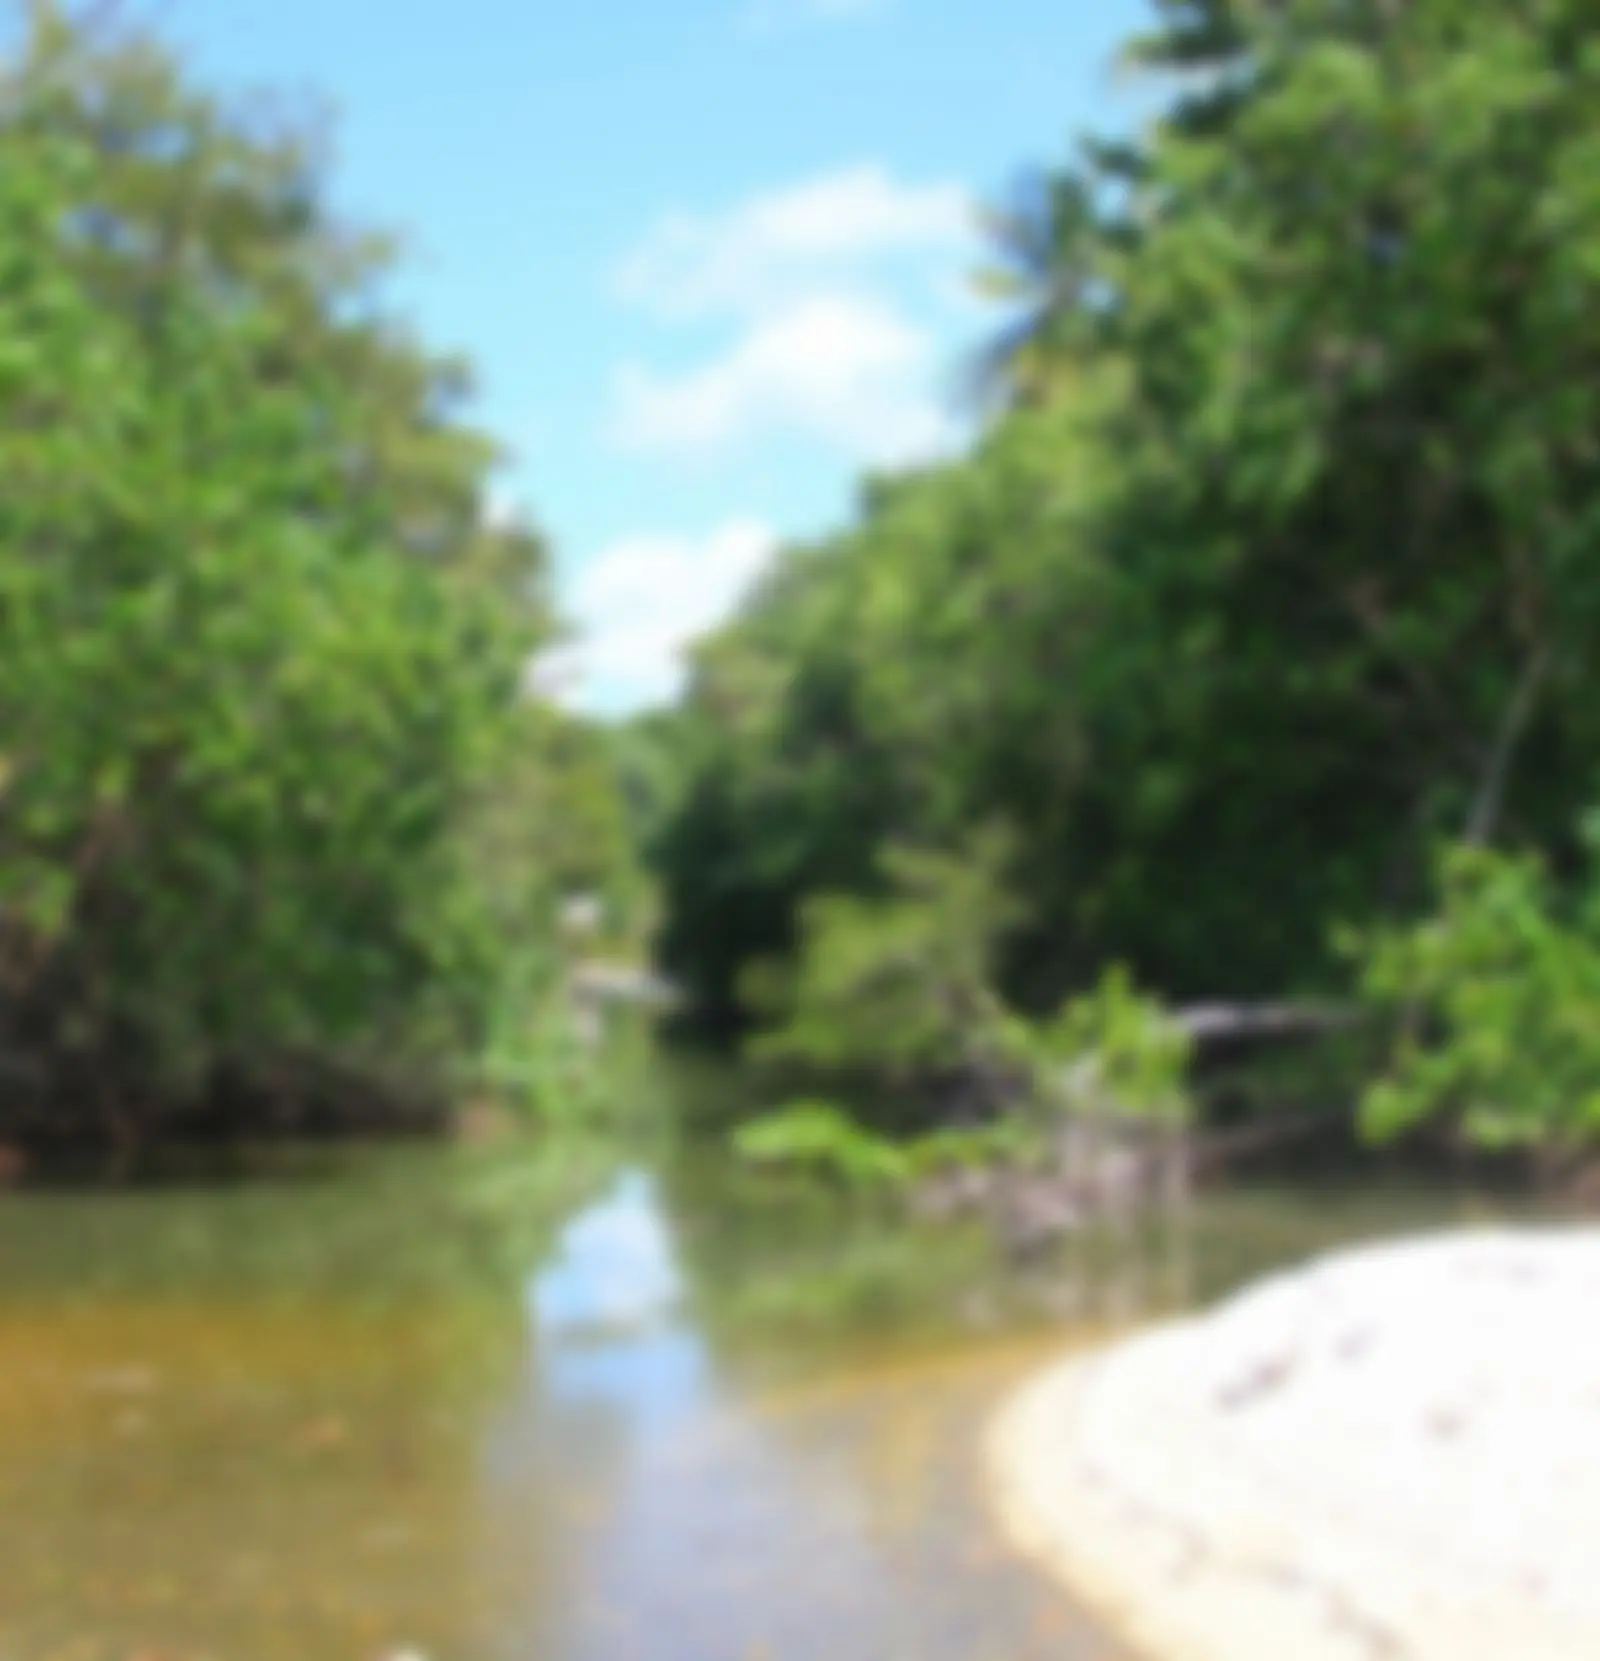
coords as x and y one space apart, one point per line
1390 1452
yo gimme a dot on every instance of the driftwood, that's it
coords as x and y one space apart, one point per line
1222 1022
1105 1168
621 983
1097 1170
1102 1171
1118 1173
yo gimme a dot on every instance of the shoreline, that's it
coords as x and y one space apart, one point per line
1389 1452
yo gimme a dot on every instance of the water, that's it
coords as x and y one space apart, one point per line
393 1406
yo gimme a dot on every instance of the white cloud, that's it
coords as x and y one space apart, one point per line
834 298
764 253
765 16
837 292
640 603
847 370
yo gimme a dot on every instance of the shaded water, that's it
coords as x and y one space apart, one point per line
387 1406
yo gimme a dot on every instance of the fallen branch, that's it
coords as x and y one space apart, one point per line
1209 1023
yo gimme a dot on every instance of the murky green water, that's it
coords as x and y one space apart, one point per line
389 1406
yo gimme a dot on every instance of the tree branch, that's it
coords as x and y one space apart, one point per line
1519 712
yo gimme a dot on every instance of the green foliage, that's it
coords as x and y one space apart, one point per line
532 1059
1276 564
1110 1054
900 983
1007 1140
1114 1053
1498 998
821 1138
273 797
817 1136
901 988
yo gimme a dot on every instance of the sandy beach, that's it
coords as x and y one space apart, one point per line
1390 1452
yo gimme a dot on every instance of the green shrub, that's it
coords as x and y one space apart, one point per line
1495 1001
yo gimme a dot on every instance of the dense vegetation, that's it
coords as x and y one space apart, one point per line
1272 576
280 830
1276 568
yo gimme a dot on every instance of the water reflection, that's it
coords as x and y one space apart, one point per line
608 1328
614 1267
719 1527
400 1411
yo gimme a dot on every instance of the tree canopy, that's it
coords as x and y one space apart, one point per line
1276 564
272 793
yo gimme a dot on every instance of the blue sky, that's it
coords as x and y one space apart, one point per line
710 256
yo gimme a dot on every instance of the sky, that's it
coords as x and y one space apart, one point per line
712 258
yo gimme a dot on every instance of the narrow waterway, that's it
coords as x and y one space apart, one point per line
395 1406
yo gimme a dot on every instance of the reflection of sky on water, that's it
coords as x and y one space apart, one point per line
665 1516
691 1506
654 1379
606 1317
615 1266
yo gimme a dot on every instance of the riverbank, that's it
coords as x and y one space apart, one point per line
1391 1452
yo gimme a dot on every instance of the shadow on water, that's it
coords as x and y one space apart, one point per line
406 1410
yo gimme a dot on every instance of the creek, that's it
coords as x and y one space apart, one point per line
395 1402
